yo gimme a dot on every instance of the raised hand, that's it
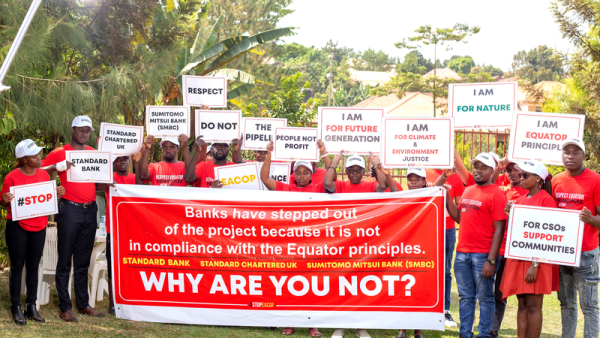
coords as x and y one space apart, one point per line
237 143
183 140
374 159
270 147
338 157
148 142
200 144
321 146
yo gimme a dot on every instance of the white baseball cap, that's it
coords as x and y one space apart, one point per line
355 160
486 159
534 167
82 121
575 141
27 148
173 140
303 164
209 148
416 171
495 156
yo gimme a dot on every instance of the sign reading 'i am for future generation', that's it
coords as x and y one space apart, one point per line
487 105
354 130
204 91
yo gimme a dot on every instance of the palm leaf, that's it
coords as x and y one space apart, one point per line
211 52
212 37
241 76
232 94
170 5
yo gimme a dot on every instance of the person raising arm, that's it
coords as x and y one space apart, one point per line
355 169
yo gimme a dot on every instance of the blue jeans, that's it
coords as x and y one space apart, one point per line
582 280
450 241
472 286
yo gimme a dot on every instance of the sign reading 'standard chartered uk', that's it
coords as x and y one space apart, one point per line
204 91
168 121
487 105
119 139
90 166
354 130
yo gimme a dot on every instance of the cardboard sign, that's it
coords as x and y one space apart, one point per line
204 91
487 105
33 200
354 130
280 172
259 131
545 235
90 166
294 144
168 121
239 176
120 140
417 142
218 126
540 136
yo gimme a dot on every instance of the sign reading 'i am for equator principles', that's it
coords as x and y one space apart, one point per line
482 105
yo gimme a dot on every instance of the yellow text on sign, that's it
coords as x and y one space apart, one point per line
239 179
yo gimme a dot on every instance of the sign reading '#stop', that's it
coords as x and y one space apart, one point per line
33 200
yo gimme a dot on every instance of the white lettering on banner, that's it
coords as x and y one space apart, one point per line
545 235
294 144
482 105
240 176
33 200
168 121
540 136
218 126
354 130
90 166
417 142
258 132
204 91
119 139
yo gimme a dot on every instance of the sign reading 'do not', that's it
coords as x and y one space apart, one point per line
218 126
258 132
168 121
33 200
486 105
90 166
239 176
354 130
294 144
204 91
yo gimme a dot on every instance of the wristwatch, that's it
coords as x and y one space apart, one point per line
491 261
535 264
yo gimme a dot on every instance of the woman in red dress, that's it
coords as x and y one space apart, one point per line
530 281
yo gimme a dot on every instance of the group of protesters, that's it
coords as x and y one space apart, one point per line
479 201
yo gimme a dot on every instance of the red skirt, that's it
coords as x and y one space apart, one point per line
513 280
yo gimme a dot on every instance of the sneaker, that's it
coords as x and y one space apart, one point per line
449 320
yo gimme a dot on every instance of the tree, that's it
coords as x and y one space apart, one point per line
441 36
374 61
539 64
461 65
414 62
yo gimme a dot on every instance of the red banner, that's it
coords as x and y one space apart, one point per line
211 256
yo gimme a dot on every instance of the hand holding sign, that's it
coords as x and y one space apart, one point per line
585 215
321 146
7 197
148 142
217 184
200 145
237 143
119 139
60 192
183 140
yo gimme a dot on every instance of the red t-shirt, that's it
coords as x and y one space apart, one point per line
503 180
129 179
512 194
345 187
480 207
541 199
453 184
470 180
575 193
206 173
75 192
15 178
317 177
280 186
167 174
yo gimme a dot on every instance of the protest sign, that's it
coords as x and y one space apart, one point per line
544 235
218 126
417 142
90 166
239 176
354 130
204 91
168 121
486 105
259 131
33 200
280 172
294 144
258 258
540 136
120 140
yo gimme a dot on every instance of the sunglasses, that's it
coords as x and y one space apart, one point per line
525 175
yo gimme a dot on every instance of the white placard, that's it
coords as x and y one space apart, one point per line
204 91
280 172
239 176
354 130
91 166
259 131
486 105
218 126
544 235
540 136
168 121
295 144
120 140
33 200
417 142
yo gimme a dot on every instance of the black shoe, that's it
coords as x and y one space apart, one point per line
111 311
493 335
18 315
31 313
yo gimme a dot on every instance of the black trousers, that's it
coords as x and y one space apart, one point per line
109 257
76 234
25 248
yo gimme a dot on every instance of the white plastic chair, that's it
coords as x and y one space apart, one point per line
47 269
99 283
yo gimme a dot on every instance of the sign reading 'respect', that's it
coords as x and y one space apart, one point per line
294 144
417 142
540 136
258 132
168 121
204 91
218 125
354 130
482 105
239 176
33 200
90 166
119 139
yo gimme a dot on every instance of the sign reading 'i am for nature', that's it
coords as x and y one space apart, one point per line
482 105
168 121
354 130
204 91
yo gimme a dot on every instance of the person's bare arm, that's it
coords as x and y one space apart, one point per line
265 171
144 173
381 177
326 159
453 209
190 168
488 269
586 216
328 181
237 150
183 143
460 168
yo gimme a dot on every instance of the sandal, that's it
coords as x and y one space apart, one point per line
288 331
314 332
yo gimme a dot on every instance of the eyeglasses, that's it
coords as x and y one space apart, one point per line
524 175
354 171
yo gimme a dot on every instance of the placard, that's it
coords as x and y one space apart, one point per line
545 235
486 105
294 144
258 132
218 126
120 140
33 200
168 121
418 142
239 176
354 130
204 91
280 172
540 136
91 166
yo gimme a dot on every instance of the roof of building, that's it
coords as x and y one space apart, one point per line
371 78
379 101
547 86
416 104
444 73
